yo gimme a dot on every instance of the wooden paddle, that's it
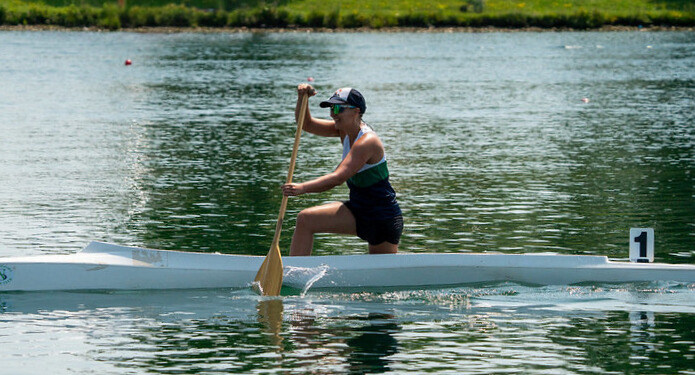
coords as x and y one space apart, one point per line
269 276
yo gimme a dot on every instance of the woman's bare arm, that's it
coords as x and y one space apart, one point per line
366 148
324 128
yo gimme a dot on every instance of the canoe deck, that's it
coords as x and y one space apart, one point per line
103 266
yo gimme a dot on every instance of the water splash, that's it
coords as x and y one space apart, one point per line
304 278
257 288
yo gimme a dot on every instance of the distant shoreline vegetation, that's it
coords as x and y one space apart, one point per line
349 14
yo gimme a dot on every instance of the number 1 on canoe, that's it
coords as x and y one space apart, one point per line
269 276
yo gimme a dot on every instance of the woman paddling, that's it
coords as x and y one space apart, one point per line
372 212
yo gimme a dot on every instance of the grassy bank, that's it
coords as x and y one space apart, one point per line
375 14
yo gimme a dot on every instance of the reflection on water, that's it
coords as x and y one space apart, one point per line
361 349
484 329
358 344
270 315
375 343
638 343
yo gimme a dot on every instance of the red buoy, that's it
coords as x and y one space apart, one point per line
128 62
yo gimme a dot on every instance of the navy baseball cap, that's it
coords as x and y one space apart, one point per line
346 95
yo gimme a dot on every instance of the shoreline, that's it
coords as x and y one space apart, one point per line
223 30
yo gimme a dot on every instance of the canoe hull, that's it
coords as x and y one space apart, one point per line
102 266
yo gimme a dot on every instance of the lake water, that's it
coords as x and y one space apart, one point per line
497 142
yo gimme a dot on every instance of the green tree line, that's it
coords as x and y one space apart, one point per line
349 14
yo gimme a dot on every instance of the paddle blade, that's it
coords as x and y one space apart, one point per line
269 277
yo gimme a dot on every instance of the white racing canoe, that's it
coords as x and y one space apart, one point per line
103 266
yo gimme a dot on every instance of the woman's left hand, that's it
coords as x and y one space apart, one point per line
292 189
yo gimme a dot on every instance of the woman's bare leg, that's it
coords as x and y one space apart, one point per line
328 218
383 248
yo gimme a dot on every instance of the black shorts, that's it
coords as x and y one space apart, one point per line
376 231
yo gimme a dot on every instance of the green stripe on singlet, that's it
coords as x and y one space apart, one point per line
370 176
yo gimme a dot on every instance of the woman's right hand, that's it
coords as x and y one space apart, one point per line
292 189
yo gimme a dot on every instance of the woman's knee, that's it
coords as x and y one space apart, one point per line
304 219
329 218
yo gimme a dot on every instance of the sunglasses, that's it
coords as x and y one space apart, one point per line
339 108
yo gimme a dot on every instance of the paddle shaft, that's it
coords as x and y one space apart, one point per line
269 276
290 172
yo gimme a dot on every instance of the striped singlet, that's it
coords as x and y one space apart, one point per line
371 194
